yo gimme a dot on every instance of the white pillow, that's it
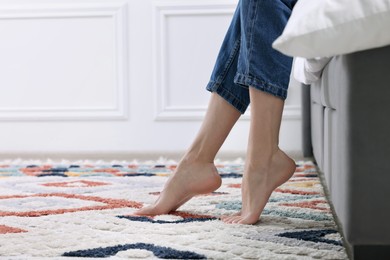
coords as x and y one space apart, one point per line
325 28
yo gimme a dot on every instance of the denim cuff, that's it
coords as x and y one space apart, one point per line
248 81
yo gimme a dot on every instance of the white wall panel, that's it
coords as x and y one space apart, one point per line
63 61
187 37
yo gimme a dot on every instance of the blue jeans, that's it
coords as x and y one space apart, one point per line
247 59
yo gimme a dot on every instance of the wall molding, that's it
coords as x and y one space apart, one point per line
162 10
116 10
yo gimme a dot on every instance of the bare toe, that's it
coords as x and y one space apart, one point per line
248 220
229 219
236 220
223 217
147 211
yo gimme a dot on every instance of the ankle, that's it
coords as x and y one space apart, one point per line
265 162
256 167
196 158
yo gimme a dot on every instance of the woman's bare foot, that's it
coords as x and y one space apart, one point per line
188 180
258 184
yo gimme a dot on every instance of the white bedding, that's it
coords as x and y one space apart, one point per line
308 71
326 28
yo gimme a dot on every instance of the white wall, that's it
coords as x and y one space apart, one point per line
114 76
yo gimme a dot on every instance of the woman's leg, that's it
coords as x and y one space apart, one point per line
266 166
266 73
196 173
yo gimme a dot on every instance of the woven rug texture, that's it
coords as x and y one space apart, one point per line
67 210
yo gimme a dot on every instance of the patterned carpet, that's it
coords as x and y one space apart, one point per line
69 210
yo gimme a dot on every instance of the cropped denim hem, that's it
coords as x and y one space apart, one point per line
246 57
228 96
248 81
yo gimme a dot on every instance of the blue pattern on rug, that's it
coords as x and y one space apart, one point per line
158 251
317 216
313 236
139 174
311 176
147 219
302 215
231 175
292 198
52 174
229 205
